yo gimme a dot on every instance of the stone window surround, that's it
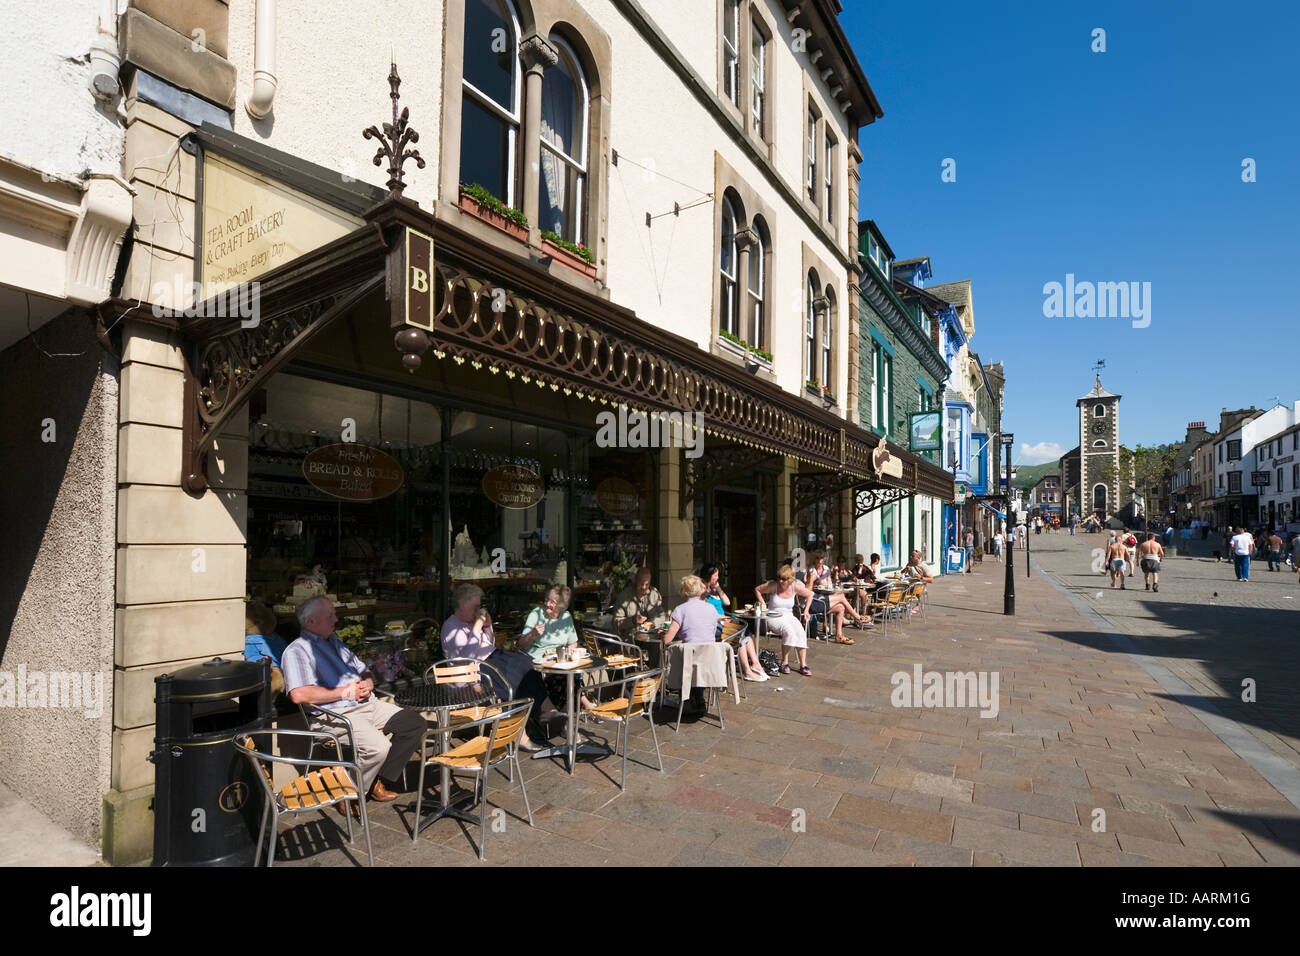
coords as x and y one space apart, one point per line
750 12
538 19
749 205
814 263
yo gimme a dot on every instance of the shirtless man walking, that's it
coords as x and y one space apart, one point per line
1150 554
1115 561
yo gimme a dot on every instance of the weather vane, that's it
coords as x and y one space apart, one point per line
395 137
1101 363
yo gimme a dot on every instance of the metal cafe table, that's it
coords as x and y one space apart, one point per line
436 702
757 617
572 747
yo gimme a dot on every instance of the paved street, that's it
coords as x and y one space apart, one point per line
824 771
1208 629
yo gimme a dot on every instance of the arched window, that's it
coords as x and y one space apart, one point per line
729 316
810 327
828 339
489 123
1099 499
564 146
1099 410
1099 443
757 276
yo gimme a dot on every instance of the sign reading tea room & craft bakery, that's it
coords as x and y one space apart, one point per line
617 496
252 224
353 472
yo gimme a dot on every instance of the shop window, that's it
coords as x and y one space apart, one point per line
889 554
564 124
489 136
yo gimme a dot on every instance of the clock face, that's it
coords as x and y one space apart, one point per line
1098 429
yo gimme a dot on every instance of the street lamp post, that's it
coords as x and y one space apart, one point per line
1009 590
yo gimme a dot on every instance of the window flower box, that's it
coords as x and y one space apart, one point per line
480 204
570 258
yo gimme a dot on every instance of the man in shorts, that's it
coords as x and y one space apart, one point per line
1115 562
1130 542
1150 554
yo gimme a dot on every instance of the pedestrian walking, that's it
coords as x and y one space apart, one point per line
1240 546
1274 545
1151 554
970 548
1115 562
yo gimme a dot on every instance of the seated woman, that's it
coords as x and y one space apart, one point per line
468 633
717 597
859 578
780 597
834 605
548 628
695 621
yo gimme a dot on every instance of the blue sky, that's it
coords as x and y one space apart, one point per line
1122 166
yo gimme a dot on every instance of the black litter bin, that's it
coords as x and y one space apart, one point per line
207 800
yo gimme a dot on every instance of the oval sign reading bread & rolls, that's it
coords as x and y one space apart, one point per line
353 472
513 486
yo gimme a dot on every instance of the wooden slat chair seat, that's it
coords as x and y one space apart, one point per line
480 754
324 784
915 597
733 629
320 788
630 704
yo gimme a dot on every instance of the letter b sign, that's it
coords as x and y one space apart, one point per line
419 280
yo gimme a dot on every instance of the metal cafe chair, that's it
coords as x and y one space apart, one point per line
468 670
679 654
915 597
496 743
332 782
636 691
733 629
878 604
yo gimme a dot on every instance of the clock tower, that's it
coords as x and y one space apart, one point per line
1099 484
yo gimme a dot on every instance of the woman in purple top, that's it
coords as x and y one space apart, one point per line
468 633
695 621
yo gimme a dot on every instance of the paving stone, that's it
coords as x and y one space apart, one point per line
1037 804
925 824
1032 848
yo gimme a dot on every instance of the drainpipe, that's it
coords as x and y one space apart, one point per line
104 58
261 100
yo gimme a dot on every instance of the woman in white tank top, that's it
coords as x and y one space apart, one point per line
779 596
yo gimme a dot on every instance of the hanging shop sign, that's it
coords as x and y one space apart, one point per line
418 304
353 472
251 224
1261 479
513 487
925 431
617 496
886 465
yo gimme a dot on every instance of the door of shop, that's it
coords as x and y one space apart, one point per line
735 539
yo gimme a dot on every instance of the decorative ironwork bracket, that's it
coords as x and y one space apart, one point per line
809 488
226 370
867 500
720 466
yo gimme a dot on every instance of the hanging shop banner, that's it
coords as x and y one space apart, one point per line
353 472
513 487
925 431
617 496
252 224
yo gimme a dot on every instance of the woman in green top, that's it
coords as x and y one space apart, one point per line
549 626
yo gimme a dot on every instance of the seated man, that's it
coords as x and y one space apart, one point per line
918 571
320 669
637 604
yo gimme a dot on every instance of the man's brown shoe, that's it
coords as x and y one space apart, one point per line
380 793
347 805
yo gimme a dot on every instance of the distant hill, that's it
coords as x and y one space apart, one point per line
1028 475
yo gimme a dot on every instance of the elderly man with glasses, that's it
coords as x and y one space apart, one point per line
320 669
